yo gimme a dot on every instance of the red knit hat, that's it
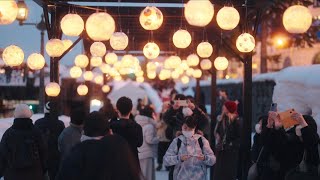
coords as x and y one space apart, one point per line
231 106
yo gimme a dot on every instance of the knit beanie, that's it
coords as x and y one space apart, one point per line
47 108
22 111
96 125
231 106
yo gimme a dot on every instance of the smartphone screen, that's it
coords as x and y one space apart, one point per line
286 120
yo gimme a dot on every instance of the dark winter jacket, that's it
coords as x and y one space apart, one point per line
130 131
23 154
256 147
105 159
69 137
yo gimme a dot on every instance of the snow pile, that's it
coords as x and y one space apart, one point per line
265 77
153 96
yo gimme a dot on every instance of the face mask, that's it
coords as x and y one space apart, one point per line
188 134
258 128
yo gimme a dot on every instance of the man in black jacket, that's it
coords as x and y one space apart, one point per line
127 127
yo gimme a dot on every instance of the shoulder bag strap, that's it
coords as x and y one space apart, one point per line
262 149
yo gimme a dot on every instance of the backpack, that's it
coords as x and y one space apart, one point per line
171 168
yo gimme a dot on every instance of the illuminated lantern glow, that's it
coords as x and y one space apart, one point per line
55 48
184 65
98 79
52 89
36 61
204 49
185 79
96 61
113 72
151 75
100 26
179 70
105 68
13 56
139 73
67 43
164 74
75 72
228 18
98 49
111 58
88 76
199 13
175 61
245 43
81 61
72 25
8 12
82 90
151 50
140 79
221 63
117 65
119 41
189 72
124 71
151 18
127 61
151 66
297 19
106 88
206 64
175 75
193 60
197 73
117 78
182 39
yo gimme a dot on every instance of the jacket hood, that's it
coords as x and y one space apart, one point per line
144 120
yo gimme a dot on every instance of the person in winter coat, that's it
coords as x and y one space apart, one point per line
189 159
227 134
71 135
148 150
23 153
257 141
100 155
126 127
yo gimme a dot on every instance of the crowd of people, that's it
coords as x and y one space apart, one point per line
118 144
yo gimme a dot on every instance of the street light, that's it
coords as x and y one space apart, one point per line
22 12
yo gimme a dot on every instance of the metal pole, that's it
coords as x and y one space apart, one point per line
213 112
198 91
41 85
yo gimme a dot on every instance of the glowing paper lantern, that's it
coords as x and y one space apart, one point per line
72 25
189 71
75 72
245 43
182 38
152 75
206 64
175 61
117 78
184 65
151 66
106 88
98 79
88 76
100 26
55 48
127 61
193 60
105 68
82 90
140 79
151 50
151 18
228 18
185 79
221 63
297 19
119 41
98 49
8 11
67 43
111 58
175 75
197 73
52 89
96 61
36 61
204 49
81 61
13 56
199 13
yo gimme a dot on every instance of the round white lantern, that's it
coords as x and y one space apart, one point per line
175 61
175 75
52 89
111 58
197 73
228 18
151 66
105 68
204 49
88 76
98 79
184 65
95 61
55 48
221 63
127 61
245 43
151 50
13 56
106 88
119 41
185 79
98 49
151 18
193 60
75 72
81 61
36 61
100 26
199 13
182 38
67 43
8 11
117 78
72 25
189 71
82 90
297 19
140 79
152 75
206 64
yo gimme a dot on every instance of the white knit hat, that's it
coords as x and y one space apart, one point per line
47 108
22 111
